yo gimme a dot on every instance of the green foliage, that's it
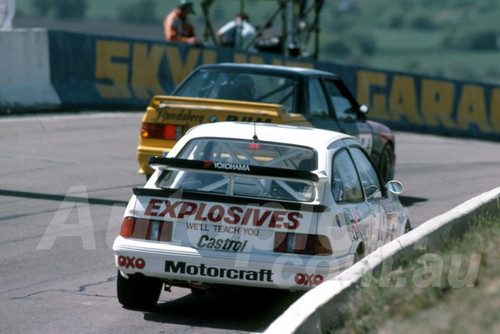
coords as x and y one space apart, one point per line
395 20
463 3
444 37
484 39
434 4
471 39
364 41
422 21
452 289
338 47
73 9
60 8
450 38
42 7
354 44
139 12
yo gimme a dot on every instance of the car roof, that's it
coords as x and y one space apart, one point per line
317 139
264 68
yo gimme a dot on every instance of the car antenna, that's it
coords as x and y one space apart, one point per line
254 145
255 138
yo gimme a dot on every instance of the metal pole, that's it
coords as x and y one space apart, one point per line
209 31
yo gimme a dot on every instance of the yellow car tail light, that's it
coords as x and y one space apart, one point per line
161 131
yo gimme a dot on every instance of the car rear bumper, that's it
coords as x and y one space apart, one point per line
190 266
144 153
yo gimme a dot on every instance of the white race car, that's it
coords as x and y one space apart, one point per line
261 205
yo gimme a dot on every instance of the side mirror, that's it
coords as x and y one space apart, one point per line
363 109
394 187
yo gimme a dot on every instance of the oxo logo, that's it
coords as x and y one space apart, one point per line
308 279
131 262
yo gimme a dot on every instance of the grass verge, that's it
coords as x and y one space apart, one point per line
455 290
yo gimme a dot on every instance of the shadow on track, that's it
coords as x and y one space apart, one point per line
241 310
60 198
409 200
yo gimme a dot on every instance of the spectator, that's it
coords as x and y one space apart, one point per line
7 11
176 25
237 33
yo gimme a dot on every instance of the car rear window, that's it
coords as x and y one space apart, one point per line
243 153
249 87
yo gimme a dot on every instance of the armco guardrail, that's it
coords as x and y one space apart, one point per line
94 71
316 311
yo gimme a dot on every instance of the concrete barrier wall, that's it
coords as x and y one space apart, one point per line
93 71
25 71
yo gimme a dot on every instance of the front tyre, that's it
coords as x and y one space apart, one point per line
138 291
386 165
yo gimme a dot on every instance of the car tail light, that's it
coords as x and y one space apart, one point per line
127 227
306 244
161 131
146 229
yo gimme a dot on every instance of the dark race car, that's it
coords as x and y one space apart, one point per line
306 97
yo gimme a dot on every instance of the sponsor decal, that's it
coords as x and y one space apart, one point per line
443 104
231 166
263 275
222 229
226 166
131 262
132 70
165 114
136 70
352 218
222 244
308 279
216 213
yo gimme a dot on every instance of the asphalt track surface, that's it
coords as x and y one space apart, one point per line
76 171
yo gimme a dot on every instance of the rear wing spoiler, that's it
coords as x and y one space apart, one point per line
161 101
220 198
226 167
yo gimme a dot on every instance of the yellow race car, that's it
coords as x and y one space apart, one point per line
261 94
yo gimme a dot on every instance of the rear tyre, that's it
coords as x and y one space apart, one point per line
360 253
386 165
138 291
407 227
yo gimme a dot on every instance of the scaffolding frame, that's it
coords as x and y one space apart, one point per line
300 23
